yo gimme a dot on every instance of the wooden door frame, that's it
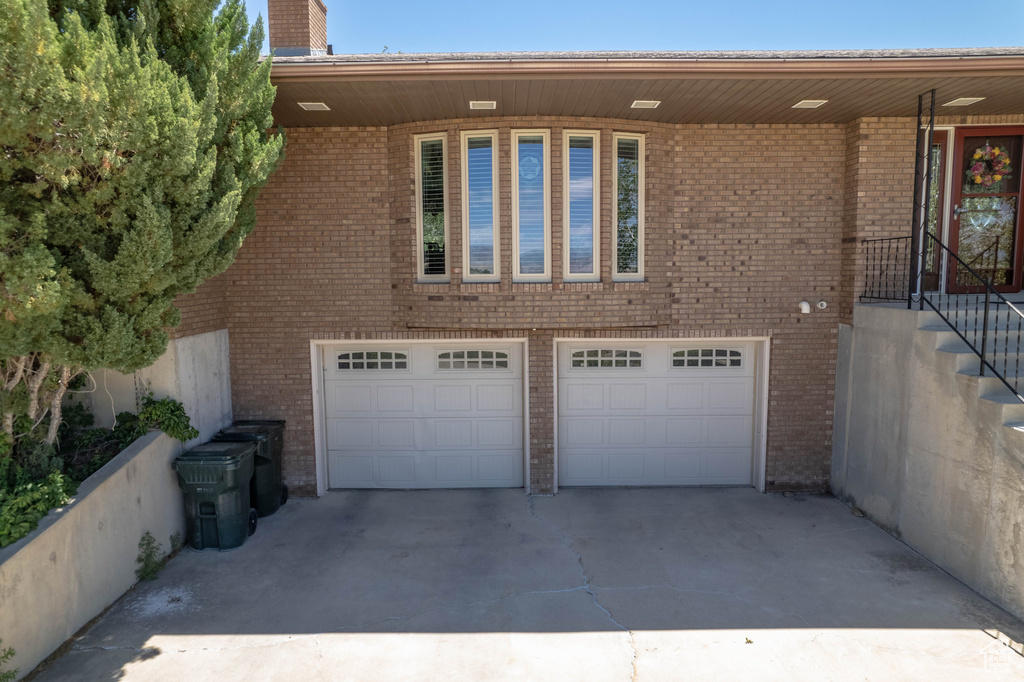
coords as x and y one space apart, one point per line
956 196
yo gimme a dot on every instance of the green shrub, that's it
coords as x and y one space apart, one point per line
22 506
150 558
36 478
6 655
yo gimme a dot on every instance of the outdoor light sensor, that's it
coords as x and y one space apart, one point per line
479 104
645 104
963 101
809 103
314 106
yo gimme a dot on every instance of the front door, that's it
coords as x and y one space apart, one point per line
985 221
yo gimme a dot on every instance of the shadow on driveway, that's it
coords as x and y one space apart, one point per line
591 584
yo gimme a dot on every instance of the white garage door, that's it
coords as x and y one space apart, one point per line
655 413
424 415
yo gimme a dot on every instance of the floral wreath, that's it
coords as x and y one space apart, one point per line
991 164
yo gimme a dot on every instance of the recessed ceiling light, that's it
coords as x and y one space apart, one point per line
480 104
314 106
645 104
963 102
809 103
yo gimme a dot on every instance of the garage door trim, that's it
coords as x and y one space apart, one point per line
761 356
317 348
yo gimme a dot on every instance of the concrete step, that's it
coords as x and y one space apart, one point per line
994 393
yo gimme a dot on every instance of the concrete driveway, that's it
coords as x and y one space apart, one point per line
617 584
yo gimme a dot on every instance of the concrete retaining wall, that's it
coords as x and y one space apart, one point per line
81 558
194 370
920 450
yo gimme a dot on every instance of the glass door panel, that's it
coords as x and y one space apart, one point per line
985 218
936 206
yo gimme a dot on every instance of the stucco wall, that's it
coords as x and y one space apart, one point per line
81 558
925 458
195 370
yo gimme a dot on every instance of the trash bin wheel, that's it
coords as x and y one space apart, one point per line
284 494
252 521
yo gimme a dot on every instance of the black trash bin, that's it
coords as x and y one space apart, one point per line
268 486
215 478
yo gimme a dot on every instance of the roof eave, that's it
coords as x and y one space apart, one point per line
691 68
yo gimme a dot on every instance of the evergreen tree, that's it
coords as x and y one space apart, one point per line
133 142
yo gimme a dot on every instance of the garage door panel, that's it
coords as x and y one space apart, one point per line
730 395
662 424
396 434
343 399
496 398
453 433
453 398
684 431
499 433
730 430
584 396
627 396
424 427
728 466
584 467
576 431
684 465
396 398
353 469
629 466
499 468
685 395
454 468
357 433
627 431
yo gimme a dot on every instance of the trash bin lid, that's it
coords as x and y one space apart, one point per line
218 453
244 432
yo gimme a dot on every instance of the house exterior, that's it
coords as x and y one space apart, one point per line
557 269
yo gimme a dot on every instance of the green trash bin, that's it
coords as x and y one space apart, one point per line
275 429
215 478
265 489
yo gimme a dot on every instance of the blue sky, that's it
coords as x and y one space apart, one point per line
464 26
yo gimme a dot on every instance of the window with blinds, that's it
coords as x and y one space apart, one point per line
431 218
628 218
480 206
531 201
581 241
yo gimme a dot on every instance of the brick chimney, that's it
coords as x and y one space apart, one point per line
297 27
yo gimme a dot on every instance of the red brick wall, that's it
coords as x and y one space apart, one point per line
742 223
203 311
297 23
729 253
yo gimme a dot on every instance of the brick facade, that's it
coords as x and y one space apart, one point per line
742 223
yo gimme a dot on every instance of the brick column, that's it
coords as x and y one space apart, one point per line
542 413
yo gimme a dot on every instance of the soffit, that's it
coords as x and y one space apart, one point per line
693 91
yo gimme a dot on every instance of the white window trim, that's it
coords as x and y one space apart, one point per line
595 274
637 276
546 275
713 346
418 141
496 252
508 369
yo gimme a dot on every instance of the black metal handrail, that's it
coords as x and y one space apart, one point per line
886 264
998 348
